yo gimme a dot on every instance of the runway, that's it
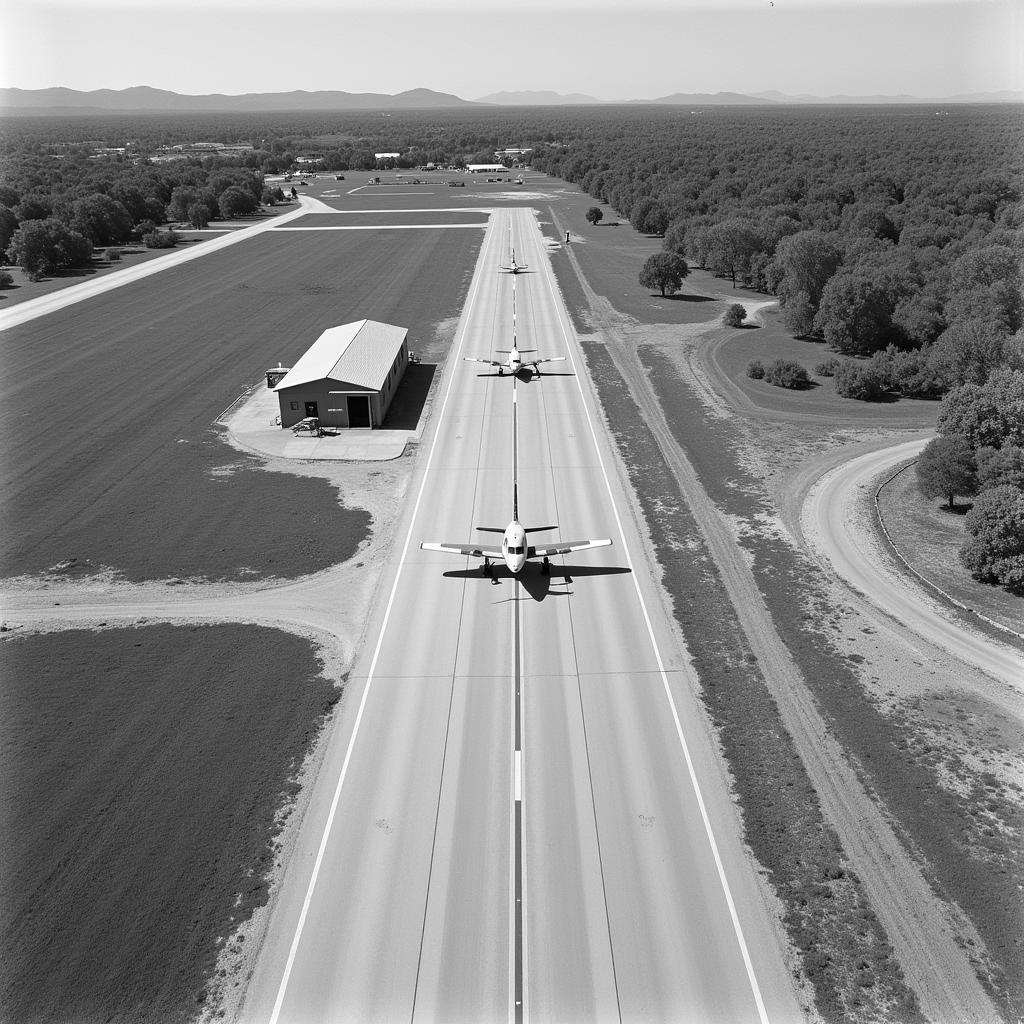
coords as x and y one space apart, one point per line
508 824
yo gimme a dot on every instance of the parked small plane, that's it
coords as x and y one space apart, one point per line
515 361
514 267
515 548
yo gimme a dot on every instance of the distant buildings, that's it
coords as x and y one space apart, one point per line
186 150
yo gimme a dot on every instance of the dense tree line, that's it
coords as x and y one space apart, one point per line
55 208
887 233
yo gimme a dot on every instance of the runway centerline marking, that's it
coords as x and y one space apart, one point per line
307 901
720 867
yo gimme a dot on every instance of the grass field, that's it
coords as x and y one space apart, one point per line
611 257
143 770
107 406
358 219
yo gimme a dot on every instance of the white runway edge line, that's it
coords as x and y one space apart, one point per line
381 227
755 988
306 903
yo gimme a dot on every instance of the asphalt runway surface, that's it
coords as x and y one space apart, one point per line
508 824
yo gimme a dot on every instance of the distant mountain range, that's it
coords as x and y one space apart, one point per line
706 99
538 99
143 99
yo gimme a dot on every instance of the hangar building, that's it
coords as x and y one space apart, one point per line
348 376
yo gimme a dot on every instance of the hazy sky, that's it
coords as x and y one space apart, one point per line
611 49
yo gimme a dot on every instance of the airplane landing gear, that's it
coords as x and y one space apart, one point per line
545 568
486 567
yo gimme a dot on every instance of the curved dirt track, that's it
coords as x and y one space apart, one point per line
835 525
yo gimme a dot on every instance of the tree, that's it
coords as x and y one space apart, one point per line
998 466
986 415
947 468
807 260
986 284
101 219
675 237
798 315
182 199
236 202
967 353
664 270
731 245
595 215
198 216
734 315
995 551
8 224
648 217
40 247
854 315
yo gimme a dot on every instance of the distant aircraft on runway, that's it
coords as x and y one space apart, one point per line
514 268
515 361
515 548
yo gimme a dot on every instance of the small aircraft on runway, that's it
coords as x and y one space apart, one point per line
515 548
515 362
515 268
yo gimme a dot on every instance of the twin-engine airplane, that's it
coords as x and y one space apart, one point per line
515 548
514 268
515 361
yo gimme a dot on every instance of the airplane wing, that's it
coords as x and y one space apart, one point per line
479 550
489 362
565 546
549 359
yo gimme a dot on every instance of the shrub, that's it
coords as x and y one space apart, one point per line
828 367
6 279
160 240
786 373
735 315
755 369
112 255
911 373
854 380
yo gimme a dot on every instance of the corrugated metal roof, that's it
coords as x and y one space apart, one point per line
359 353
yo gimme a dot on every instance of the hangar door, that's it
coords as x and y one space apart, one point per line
358 410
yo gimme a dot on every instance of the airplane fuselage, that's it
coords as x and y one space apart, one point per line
514 547
513 364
